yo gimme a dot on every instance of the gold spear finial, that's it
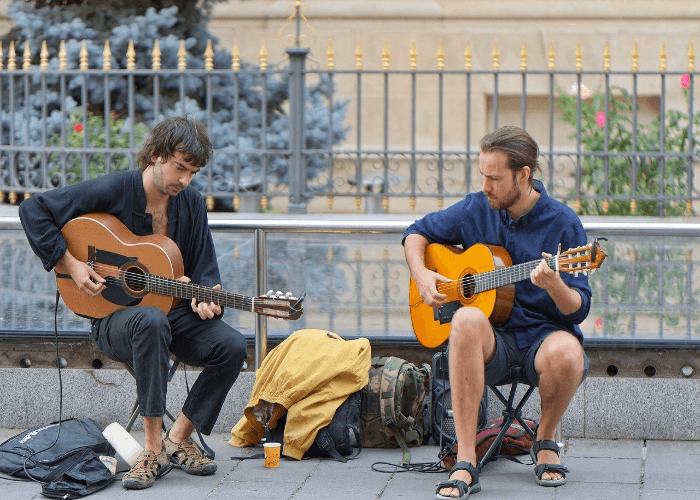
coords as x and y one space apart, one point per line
182 57
385 56
606 57
263 57
496 56
43 56
635 58
330 56
579 57
156 56
208 57
468 57
413 56
662 58
107 56
235 57
11 57
26 57
62 56
441 57
552 57
358 57
83 56
523 57
691 58
130 56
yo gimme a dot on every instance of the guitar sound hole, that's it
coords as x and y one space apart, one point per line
468 285
134 279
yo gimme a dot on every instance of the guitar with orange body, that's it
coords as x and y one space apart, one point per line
483 276
143 271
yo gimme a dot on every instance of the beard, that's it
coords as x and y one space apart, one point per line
507 201
159 182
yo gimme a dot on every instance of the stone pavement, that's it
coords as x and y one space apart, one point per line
600 469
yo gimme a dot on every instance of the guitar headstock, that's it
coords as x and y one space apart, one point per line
279 305
582 259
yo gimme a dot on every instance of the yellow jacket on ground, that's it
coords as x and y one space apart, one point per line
308 375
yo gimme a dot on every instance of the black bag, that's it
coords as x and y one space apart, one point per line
340 439
19 453
77 476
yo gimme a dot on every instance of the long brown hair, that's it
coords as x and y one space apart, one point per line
189 137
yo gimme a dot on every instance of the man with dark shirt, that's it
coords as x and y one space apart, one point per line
155 200
542 335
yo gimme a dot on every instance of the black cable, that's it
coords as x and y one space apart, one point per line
60 410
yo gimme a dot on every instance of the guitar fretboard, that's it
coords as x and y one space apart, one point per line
507 275
182 290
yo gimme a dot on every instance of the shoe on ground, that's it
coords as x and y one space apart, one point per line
149 467
188 457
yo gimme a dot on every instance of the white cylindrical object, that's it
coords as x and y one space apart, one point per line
127 447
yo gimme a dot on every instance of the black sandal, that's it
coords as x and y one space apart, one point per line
464 489
542 468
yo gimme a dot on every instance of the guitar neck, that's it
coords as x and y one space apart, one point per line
508 275
175 288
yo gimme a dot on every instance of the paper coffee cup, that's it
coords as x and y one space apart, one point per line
272 455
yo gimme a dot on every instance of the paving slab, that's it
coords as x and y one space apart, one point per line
600 470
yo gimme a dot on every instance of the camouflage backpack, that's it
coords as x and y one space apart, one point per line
395 409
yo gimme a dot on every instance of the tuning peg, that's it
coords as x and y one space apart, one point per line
585 273
270 292
288 294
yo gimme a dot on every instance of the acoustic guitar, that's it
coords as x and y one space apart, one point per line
483 276
143 271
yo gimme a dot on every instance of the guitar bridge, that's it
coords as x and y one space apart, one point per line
445 313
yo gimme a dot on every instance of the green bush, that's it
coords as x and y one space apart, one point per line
650 173
93 129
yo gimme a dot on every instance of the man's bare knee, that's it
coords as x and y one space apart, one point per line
560 354
471 331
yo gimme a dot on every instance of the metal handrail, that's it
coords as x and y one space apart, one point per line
262 224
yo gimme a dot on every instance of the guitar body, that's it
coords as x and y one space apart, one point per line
432 326
104 240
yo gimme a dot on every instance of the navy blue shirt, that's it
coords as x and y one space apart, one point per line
121 194
542 229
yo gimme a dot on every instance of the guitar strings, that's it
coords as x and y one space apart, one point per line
490 278
149 281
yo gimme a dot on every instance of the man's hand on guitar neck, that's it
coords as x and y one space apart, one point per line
205 310
84 276
568 300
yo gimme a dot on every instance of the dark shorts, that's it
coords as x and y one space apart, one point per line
507 354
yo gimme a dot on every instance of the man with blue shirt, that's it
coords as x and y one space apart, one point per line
512 211
157 199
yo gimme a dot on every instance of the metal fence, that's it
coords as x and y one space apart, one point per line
410 135
356 281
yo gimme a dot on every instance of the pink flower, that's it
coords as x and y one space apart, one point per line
600 118
685 81
78 127
599 324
